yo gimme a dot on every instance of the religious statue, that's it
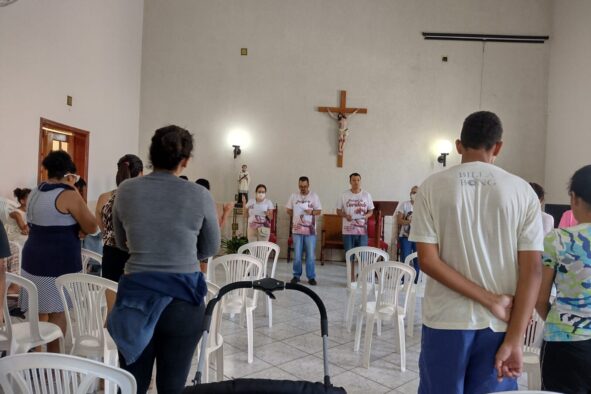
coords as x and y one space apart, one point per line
341 119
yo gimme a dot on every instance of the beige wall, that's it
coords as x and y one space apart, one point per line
301 53
90 50
569 96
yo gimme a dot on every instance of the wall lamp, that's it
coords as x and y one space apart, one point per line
442 158
237 150
444 147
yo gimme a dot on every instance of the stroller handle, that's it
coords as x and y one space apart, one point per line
268 286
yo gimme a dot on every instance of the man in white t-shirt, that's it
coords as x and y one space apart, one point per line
479 235
355 206
303 207
403 215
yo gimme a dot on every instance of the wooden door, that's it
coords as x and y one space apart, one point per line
56 136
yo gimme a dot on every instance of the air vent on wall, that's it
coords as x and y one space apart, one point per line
485 37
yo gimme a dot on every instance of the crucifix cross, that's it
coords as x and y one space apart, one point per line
340 114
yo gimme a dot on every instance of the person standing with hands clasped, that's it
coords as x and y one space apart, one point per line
355 206
303 207
479 236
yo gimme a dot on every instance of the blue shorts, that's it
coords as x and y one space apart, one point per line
461 361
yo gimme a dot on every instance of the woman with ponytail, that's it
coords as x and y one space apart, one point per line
114 258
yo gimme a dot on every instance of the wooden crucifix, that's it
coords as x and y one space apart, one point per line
340 114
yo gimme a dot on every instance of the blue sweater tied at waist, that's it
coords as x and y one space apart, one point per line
141 299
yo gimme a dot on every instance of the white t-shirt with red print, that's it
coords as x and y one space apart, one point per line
356 205
303 223
257 213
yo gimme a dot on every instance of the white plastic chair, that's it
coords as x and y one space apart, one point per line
6 206
531 351
238 267
16 253
215 341
21 337
364 256
49 373
14 265
88 255
418 291
86 320
390 304
262 250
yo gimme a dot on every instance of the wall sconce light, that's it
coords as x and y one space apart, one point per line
444 149
237 150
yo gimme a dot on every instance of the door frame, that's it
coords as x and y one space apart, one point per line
82 135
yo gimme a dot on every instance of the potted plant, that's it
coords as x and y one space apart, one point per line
231 245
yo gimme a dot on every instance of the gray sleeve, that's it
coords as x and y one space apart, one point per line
120 236
208 242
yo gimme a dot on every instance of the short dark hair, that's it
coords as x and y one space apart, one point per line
21 194
170 145
580 184
129 166
304 179
186 178
203 182
260 185
58 163
482 129
538 189
354 174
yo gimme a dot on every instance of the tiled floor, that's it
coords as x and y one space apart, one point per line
292 348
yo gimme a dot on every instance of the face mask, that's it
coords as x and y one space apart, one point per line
412 196
261 196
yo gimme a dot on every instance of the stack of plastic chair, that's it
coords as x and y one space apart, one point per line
49 373
215 341
86 318
390 304
21 337
262 250
236 268
88 256
534 334
363 256
418 291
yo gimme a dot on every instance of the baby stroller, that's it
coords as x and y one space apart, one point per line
262 386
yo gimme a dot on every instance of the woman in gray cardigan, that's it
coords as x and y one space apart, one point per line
167 225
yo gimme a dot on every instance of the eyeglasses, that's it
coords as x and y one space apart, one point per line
76 176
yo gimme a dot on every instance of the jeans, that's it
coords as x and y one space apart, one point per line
175 338
301 242
351 241
406 248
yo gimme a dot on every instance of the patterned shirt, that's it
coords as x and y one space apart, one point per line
568 253
107 218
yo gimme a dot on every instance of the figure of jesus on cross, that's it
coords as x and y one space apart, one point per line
340 115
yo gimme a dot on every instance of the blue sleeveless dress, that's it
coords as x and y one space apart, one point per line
53 247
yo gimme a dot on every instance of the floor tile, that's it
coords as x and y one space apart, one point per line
356 384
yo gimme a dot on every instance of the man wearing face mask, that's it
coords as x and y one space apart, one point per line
259 211
403 219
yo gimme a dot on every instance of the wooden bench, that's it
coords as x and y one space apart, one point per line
332 237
